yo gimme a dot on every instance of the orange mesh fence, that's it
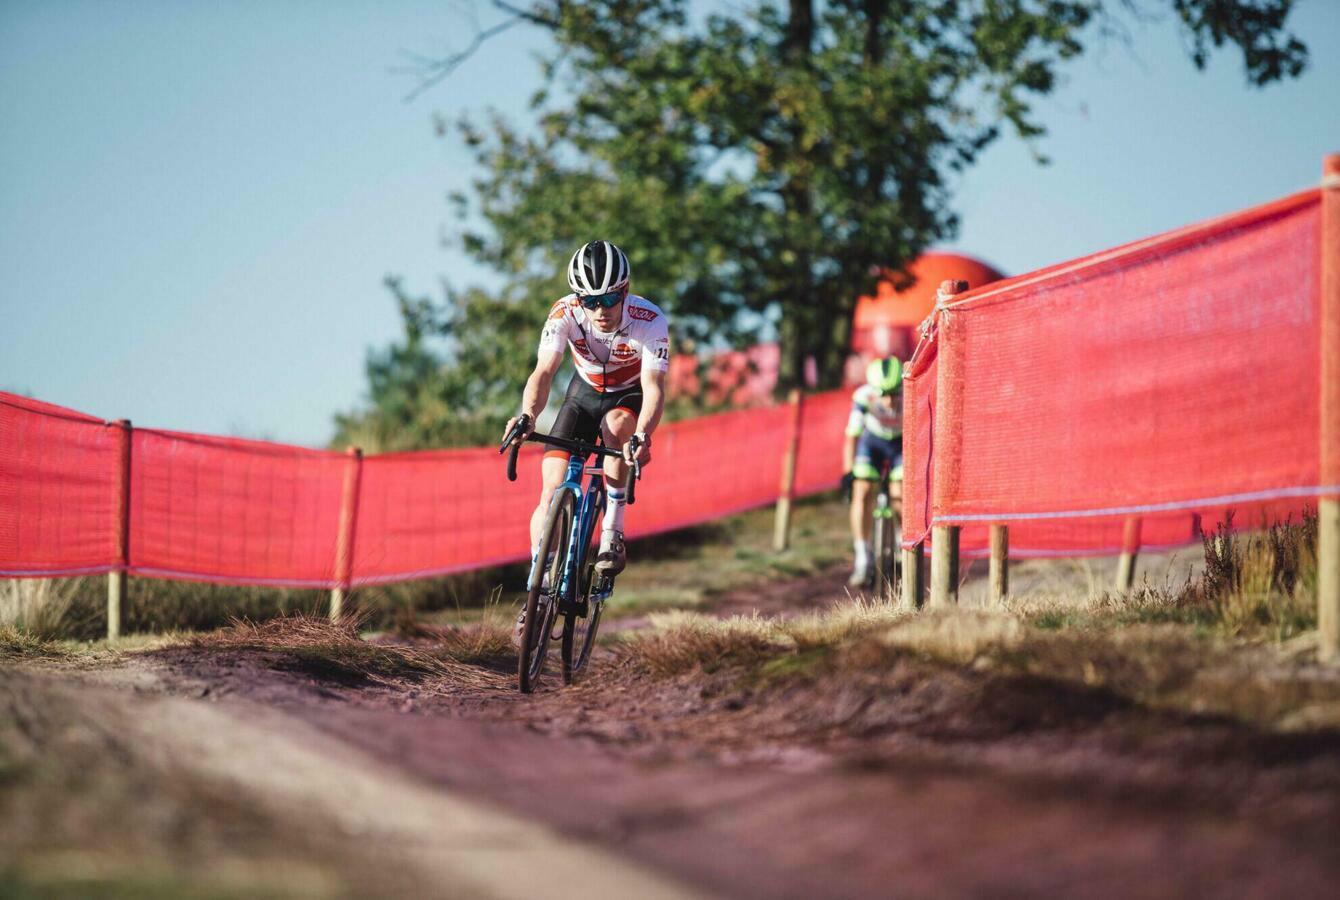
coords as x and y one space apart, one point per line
56 459
235 511
443 511
251 512
1172 381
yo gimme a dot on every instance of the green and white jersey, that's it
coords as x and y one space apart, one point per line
876 414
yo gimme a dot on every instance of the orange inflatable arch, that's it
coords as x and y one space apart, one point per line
886 324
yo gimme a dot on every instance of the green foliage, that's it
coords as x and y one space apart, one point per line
1255 26
761 166
454 377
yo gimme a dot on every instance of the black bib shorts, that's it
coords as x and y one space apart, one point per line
584 408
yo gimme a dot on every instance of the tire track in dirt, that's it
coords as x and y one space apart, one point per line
691 782
375 823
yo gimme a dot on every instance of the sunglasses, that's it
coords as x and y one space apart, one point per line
609 301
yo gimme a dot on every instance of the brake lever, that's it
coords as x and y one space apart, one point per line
522 421
635 470
510 441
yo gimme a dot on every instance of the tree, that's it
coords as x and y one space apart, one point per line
446 381
762 168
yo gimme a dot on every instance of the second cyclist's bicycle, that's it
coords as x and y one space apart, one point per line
887 537
563 580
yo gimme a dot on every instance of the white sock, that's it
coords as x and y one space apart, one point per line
614 503
862 552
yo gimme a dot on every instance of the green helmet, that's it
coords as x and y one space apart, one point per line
885 375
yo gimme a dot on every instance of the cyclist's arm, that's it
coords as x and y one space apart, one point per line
536 394
653 400
855 425
655 365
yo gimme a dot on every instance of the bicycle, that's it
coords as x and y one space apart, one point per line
886 538
574 590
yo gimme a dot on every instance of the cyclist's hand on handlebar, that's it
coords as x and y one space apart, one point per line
639 449
848 479
527 427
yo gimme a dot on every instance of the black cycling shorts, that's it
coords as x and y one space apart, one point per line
584 408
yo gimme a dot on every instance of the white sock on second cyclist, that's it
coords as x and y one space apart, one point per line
614 504
862 552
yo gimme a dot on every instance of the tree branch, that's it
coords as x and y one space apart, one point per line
433 71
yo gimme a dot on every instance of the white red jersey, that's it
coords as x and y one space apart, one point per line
610 361
875 414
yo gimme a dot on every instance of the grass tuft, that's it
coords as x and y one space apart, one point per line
679 642
337 650
16 644
1260 580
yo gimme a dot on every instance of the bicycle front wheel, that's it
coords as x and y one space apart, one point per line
542 607
579 632
884 547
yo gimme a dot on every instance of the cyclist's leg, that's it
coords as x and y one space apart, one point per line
552 469
865 469
860 510
617 427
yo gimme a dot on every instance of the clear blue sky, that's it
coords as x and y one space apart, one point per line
198 201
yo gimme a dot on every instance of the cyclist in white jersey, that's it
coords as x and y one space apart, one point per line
874 441
621 348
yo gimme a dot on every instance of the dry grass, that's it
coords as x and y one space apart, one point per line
1258 585
1232 642
17 644
483 638
683 641
42 607
337 650
1260 580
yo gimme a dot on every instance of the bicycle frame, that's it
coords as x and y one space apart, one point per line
579 544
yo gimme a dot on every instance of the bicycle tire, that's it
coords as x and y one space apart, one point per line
883 546
540 621
579 632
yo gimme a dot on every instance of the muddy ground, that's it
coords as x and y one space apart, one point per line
930 780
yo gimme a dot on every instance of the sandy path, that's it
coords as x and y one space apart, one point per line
416 836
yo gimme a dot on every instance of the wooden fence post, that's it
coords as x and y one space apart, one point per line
914 575
116 579
1328 509
1130 551
1000 564
344 551
945 538
781 531
944 565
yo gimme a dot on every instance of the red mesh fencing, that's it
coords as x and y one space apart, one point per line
236 511
59 483
1172 381
1163 383
250 512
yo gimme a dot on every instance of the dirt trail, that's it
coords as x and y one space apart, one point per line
365 827
952 783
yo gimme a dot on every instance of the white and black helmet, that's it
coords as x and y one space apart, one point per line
597 268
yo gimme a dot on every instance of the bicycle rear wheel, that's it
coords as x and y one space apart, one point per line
542 608
579 632
884 547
